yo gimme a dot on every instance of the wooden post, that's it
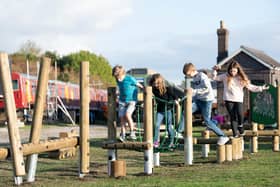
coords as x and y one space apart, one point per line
234 142
10 110
84 119
37 120
254 139
148 130
239 148
3 153
228 152
112 125
188 139
118 168
205 147
221 153
275 143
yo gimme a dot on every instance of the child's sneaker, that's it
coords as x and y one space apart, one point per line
179 135
223 140
132 136
156 144
171 146
122 138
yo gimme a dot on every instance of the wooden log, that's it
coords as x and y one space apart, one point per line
128 145
84 119
221 153
228 148
262 133
275 143
254 139
234 142
10 110
112 118
118 168
4 153
41 93
49 145
205 147
37 120
148 130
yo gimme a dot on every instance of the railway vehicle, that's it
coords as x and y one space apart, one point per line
62 101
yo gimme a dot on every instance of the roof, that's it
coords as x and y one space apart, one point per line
258 55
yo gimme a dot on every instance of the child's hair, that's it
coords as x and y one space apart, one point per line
240 72
118 70
188 67
157 78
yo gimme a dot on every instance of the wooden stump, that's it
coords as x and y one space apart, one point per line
118 168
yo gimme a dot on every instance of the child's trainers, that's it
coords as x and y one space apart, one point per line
223 140
171 146
156 144
122 138
132 136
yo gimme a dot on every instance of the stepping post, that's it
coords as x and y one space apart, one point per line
148 130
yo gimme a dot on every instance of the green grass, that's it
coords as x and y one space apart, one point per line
259 169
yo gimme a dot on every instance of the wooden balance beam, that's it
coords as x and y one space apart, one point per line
42 146
127 145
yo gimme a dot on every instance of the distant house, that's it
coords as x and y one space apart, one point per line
259 67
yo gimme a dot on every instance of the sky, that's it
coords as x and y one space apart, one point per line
155 34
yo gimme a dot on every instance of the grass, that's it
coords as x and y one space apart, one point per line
254 170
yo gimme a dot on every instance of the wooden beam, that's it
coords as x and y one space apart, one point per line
127 145
45 146
49 145
84 119
10 110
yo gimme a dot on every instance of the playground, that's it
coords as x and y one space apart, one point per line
258 169
195 160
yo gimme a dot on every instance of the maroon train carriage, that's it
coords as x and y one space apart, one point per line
25 86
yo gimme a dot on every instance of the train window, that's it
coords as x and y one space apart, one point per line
15 84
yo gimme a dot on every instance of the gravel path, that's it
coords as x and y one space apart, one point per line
96 131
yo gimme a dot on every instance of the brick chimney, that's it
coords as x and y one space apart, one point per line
222 33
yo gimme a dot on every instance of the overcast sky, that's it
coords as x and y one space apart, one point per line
157 34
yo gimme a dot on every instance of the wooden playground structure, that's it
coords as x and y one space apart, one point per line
17 150
233 150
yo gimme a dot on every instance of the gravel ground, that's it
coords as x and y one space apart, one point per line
96 131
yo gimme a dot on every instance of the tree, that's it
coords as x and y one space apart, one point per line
100 68
30 50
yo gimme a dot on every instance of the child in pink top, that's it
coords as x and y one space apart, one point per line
235 80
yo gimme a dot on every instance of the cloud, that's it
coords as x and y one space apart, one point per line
50 21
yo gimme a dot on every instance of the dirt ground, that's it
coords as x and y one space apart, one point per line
96 131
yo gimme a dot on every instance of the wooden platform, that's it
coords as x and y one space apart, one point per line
127 145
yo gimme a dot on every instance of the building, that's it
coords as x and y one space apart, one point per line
260 68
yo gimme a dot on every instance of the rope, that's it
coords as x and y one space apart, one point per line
162 147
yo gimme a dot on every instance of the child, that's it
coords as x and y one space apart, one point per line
127 99
234 81
163 94
203 97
